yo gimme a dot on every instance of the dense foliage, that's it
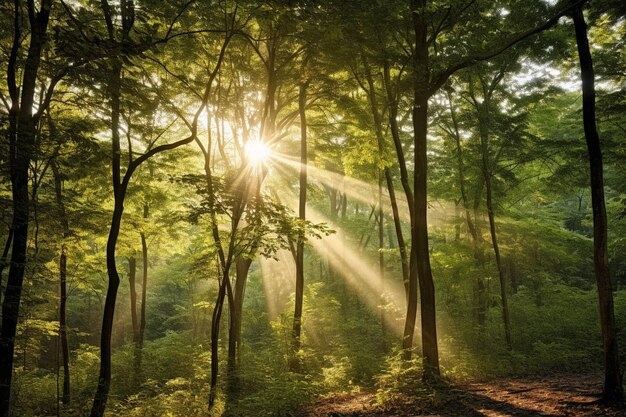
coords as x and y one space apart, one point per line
167 153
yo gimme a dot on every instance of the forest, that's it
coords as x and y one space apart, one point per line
312 208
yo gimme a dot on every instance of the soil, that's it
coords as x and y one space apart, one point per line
561 395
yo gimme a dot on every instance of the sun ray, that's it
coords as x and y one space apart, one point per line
360 273
278 281
439 212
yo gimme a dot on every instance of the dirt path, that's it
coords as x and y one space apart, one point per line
520 397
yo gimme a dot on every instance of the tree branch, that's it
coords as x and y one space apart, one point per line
495 50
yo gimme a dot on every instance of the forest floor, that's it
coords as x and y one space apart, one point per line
560 395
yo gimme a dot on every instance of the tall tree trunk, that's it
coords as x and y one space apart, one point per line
119 194
299 295
332 201
496 250
371 93
63 327
58 187
381 256
22 147
483 113
242 268
104 378
483 121
387 171
397 223
410 283
419 224
215 333
461 168
132 282
430 349
132 279
144 294
613 377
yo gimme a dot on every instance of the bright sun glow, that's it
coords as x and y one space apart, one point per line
257 152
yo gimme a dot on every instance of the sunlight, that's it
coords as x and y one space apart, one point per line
257 152
278 277
440 213
359 272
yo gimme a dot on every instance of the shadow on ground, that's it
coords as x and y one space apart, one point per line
520 397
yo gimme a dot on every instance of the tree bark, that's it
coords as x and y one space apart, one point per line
132 274
215 333
461 169
410 286
496 250
58 187
387 171
419 224
119 194
430 348
613 377
242 268
483 122
104 378
22 148
144 290
381 256
299 295
63 327
120 185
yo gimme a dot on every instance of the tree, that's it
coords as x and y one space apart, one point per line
427 79
58 188
123 42
613 380
23 121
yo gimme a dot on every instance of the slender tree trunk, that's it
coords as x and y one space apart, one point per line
132 275
392 100
387 172
332 197
397 223
483 109
144 291
242 268
225 263
63 328
243 271
483 121
104 377
58 187
119 193
215 331
411 284
461 169
22 151
381 256
496 250
419 224
480 288
420 238
299 295
132 281
613 377
371 93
